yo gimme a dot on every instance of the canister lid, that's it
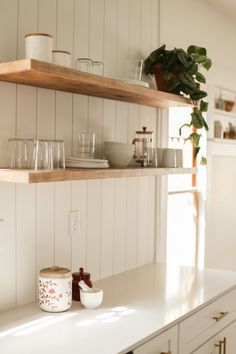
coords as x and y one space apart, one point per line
60 51
144 131
38 34
55 272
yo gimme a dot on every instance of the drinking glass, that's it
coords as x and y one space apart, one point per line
86 145
97 68
84 64
58 154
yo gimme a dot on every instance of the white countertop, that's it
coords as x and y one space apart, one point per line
137 305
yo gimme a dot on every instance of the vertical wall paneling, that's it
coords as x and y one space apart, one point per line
65 35
47 23
96 52
151 219
81 50
122 66
109 59
119 225
8 30
79 241
8 45
25 195
134 55
131 222
116 217
107 227
7 120
45 225
7 246
94 228
45 232
142 234
25 244
62 237
27 22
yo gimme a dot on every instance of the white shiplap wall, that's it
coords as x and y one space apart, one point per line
117 216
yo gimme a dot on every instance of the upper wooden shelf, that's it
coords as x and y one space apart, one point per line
41 74
31 176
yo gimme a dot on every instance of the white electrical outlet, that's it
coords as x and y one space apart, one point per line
74 222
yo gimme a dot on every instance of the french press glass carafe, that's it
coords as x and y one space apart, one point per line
143 147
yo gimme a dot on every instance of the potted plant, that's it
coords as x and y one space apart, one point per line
178 71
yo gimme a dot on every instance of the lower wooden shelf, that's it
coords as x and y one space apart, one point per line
69 174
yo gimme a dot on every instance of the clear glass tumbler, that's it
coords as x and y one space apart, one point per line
97 68
84 64
86 145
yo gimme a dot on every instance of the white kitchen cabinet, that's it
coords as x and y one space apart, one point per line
210 325
165 343
223 343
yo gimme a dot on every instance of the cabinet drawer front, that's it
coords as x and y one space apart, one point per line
166 342
206 322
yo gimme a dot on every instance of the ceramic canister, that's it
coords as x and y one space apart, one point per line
38 46
61 57
55 289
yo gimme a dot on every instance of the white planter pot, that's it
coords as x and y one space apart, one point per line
55 289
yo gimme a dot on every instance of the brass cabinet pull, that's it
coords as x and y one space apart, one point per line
221 316
166 352
220 346
224 345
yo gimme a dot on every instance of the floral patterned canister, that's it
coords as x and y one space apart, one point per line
55 289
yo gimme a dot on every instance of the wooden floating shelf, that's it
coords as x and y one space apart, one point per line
221 112
221 141
31 176
50 76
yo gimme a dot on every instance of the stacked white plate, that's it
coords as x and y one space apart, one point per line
86 163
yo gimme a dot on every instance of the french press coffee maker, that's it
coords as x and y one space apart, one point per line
143 147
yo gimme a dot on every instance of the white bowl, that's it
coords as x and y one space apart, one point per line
91 300
112 145
119 158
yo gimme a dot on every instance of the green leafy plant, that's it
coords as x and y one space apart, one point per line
181 75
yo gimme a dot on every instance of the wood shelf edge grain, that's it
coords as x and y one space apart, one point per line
44 176
50 76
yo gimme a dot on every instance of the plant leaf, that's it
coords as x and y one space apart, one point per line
195 139
195 152
203 161
207 64
196 96
154 56
193 49
200 77
193 68
197 120
147 66
182 56
203 106
187 80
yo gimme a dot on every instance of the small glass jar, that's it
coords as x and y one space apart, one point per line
61 57
77 276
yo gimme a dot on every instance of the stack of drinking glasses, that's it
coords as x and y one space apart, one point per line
37 154
90 66
86 150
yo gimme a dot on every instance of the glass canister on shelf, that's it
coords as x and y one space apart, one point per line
143 147
77 276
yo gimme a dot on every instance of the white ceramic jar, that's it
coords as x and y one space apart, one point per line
38 46
55 289
61 57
